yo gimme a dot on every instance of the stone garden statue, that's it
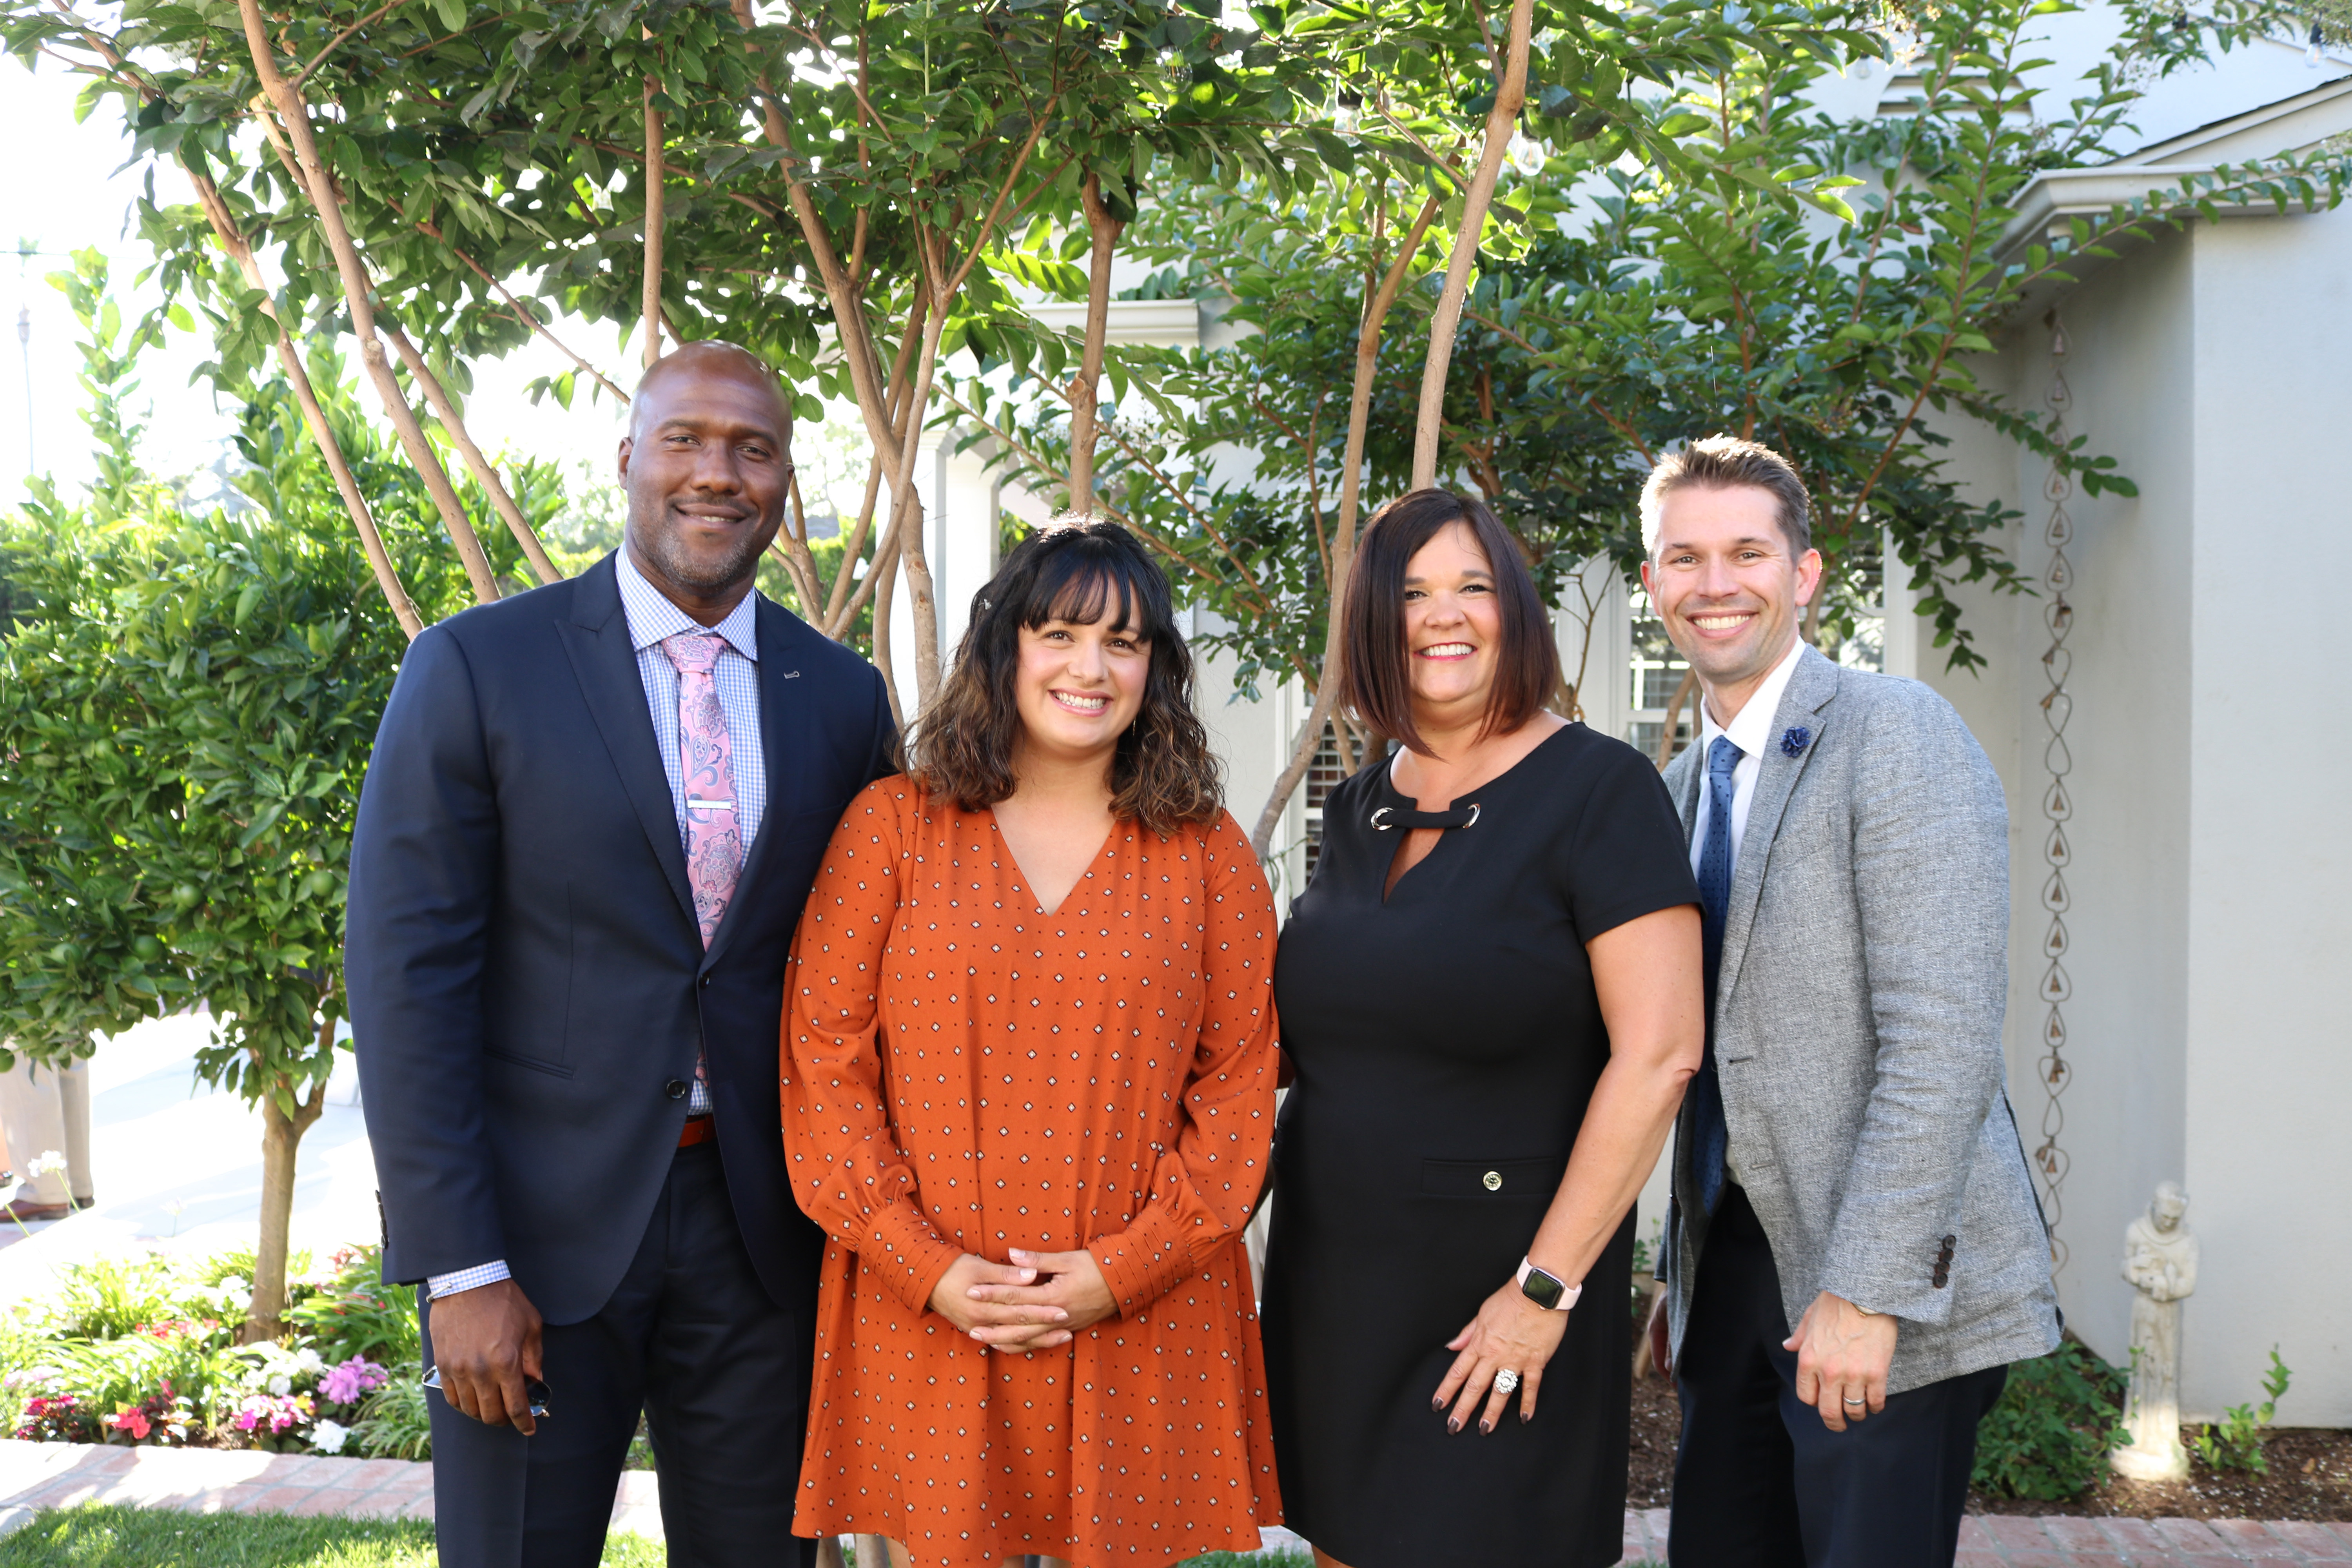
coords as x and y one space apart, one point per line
2160 1263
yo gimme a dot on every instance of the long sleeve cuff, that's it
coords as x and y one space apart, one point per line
908 1254
440 1285
1144 1262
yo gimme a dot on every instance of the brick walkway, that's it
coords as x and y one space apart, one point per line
1998 1541
205 1480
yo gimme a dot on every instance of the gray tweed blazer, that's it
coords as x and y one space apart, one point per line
1858 1018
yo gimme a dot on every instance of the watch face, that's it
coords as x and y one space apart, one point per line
1542 1289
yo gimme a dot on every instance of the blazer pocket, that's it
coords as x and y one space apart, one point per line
536 1064
1492 1179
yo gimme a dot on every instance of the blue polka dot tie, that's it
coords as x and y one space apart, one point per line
1710 1138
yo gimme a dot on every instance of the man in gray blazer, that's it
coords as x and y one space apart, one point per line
1846 1160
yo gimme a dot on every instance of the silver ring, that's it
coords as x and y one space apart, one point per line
1507 1380
1378 825
1851 1400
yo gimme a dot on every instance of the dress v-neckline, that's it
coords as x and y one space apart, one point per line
1029 883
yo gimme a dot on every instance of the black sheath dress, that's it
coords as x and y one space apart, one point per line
1446 1042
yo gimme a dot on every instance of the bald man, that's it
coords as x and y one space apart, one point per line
592 817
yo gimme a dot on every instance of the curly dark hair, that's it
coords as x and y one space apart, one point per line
1164 774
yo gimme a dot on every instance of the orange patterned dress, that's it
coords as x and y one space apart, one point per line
963 1072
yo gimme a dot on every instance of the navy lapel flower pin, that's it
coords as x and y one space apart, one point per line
1793 741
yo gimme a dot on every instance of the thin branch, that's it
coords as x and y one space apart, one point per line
653 280
231 240
339 40
486 474
1510 95
319 185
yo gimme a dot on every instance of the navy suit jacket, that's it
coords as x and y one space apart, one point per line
527 987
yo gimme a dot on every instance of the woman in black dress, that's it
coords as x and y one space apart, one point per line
1490 995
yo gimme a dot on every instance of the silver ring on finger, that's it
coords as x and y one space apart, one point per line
1850 1399
1507 1380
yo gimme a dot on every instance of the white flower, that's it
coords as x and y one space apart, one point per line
329 1436
280 1385
309 1361
49 1162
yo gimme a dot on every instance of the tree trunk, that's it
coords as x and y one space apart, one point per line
1085 394
281 1136
653 304
310 170
841 603
1674 716
1510 96
883 575
1343 542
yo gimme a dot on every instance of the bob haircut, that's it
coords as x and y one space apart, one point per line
1164 774
1375 665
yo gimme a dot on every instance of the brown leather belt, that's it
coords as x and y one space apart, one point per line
697 1130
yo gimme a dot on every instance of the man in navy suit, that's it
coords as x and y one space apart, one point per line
593 817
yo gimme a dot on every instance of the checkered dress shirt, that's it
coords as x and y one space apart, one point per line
651 619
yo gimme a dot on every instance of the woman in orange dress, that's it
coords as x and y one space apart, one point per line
1028 1090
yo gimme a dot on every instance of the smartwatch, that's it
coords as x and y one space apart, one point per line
1547 1291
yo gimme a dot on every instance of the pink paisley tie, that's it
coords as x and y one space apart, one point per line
714 845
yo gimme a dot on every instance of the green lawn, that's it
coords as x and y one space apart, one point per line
140 1537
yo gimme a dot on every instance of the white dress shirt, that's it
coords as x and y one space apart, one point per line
1751 732
652 618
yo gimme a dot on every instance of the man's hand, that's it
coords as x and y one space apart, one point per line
1842 1354
486 1341
1662 1338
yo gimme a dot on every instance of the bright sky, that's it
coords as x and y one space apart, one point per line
67 196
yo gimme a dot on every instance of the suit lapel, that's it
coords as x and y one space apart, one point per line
1682 783
1811 687
596 636
785 715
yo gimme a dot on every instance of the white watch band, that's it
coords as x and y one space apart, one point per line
1568 1293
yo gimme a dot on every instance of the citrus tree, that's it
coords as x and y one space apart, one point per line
188 703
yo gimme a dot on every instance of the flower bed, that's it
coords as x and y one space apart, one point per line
142 1351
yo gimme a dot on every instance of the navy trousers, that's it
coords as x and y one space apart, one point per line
693 1341
1759 1482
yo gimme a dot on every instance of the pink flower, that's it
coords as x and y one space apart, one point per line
131 1421
344 1384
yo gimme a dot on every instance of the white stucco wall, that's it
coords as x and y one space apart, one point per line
2206 921
2268 858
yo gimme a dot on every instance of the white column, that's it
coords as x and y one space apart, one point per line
1901 628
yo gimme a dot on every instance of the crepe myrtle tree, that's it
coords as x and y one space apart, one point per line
189 698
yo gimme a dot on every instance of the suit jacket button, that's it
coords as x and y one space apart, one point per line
674 1089
1493 1181
706 981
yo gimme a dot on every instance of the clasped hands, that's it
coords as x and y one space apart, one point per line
1038 1301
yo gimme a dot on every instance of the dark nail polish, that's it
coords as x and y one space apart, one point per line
1453 1423
1484 1428
1437 1403
1525 1417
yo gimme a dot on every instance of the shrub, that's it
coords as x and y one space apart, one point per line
2049 1436
395 1423
354 1313
2235 1441
107 1298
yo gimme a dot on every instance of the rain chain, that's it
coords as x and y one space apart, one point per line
2057 707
